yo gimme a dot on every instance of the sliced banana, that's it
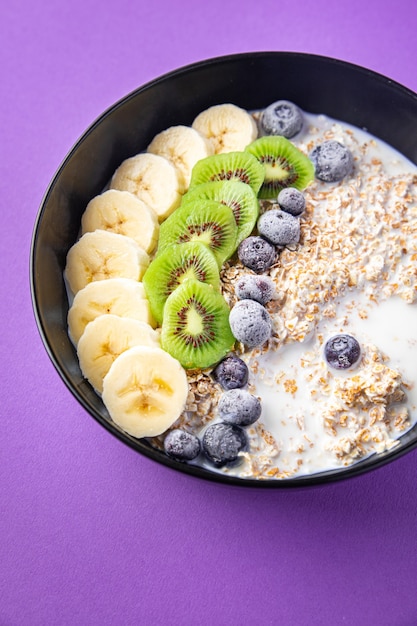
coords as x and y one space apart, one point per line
123 213
124 297
228 127
153 179
101 255
183 146
105 339
145 391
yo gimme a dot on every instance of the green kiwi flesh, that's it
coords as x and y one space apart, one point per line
239 196
175 265
206 221
195 327
240 166
284 164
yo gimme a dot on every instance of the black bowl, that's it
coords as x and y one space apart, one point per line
253 80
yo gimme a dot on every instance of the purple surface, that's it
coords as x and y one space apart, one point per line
91 532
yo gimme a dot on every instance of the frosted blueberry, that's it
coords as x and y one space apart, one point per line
239 407
181 445
342 351
282 118
231 373
250 323
259 288
223 442
332 161
256 253
291 200
279 227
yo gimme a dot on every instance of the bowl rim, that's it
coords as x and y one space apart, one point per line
366 465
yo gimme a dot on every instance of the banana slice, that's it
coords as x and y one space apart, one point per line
105 339
145 391
123 213
101 255
228 127
124 297
183 146
153 179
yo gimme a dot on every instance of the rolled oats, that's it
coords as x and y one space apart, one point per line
357 252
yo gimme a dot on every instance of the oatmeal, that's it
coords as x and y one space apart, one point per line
354 270
227 274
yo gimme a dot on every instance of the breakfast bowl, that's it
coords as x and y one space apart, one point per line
328 88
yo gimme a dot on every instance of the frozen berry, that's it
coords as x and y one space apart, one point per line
291 201
231 373
250 323
223 442
259 288
279 227
342 351
332 161
239 407
181 445
282 118
256 253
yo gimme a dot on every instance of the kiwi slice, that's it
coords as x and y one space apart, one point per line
195 328
173 266
237 195
207 221
240 166
284 164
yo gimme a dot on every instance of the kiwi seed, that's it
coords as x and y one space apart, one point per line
195 328
175 265
207 221
237 195
239 166
284 164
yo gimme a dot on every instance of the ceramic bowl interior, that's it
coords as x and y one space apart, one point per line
252 81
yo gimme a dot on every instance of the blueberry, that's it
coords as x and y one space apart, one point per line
279 227
291 200
250 323
282 118
332 161
256 253
232 372
223 442
342 351
259 288
181 445
239 407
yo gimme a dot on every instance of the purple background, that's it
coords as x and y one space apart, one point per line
91 532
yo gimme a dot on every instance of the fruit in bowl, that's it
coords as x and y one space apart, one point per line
257 212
